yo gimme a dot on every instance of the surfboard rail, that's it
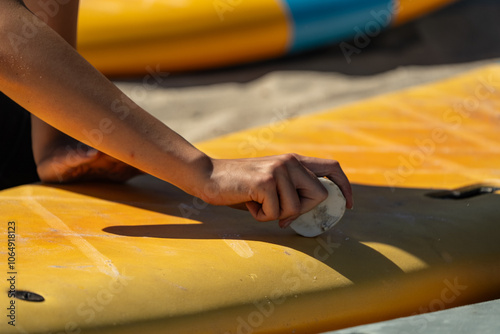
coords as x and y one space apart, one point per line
125 38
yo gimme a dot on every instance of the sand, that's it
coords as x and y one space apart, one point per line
208 104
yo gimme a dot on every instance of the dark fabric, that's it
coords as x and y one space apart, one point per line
17 165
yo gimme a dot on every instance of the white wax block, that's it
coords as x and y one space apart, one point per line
324 216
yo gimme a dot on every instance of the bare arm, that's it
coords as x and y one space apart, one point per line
44 74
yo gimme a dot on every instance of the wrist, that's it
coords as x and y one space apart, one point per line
200 177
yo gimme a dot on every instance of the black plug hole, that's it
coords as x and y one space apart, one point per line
28 296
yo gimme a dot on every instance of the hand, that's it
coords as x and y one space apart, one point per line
83 163
277 187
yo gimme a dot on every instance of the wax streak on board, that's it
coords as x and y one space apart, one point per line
103 263
240 247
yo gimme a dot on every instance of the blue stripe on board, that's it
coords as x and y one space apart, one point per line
320 22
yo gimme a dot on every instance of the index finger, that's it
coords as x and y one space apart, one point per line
332 170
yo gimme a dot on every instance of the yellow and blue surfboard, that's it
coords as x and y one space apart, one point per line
128 37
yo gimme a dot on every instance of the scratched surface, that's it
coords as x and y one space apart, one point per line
146 257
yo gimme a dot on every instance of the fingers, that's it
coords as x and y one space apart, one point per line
255 209
277 187
332 170
310 190
291 191
264 199
289 200
340 179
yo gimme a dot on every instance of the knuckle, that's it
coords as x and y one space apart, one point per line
283 161
290 158
278 164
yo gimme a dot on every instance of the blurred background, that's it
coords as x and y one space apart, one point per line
205 104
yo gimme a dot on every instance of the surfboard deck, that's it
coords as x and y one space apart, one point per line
125 257
146 257
442 135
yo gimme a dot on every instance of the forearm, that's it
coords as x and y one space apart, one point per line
63 19
46 75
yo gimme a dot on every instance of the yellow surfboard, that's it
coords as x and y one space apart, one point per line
122 37
145 257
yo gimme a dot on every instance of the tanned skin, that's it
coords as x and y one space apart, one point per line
115 139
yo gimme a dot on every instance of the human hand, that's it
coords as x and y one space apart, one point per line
83 163
277 187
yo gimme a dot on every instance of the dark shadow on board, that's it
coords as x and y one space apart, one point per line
437 231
